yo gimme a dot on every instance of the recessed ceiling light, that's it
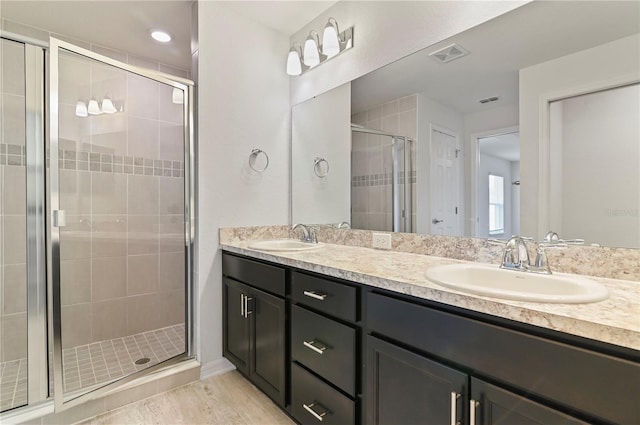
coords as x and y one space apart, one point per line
161 36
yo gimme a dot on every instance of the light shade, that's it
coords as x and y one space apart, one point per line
177 96
108 107
81 109
330 42
294 64
311 54
93 108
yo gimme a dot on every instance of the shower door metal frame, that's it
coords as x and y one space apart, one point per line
37 365
401 217
55 217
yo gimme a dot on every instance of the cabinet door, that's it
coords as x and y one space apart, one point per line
236 325
405 388
494 405
268 342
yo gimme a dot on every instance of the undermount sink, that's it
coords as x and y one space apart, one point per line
492 281
284 245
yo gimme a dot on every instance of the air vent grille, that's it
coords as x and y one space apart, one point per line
449 53
489 99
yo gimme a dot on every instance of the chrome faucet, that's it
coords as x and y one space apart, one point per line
308 233
344 225
516 255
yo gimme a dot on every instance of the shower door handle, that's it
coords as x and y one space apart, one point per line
59 218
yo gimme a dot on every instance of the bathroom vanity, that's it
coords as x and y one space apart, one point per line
354 335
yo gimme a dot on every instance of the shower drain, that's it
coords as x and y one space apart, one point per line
143 360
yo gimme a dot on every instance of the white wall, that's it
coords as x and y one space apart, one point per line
598 66
321 127
385 31
243 103
431 113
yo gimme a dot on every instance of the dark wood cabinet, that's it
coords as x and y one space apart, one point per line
492 405
349 353
405 388
255 336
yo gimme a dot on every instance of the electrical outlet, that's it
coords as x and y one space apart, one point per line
381 240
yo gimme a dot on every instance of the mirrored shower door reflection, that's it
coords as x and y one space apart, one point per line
120 234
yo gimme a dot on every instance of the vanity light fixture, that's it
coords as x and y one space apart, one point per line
108 107
81 109
177 96
294 60
334 42
93 107
311 53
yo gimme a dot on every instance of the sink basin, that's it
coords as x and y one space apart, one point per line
492 281
284 245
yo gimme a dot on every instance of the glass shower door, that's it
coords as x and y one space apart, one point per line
120 230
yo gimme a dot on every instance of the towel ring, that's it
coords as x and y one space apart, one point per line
320 170
254 156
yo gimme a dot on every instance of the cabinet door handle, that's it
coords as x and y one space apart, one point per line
316 295
472 411
246 306
242 305
315 346
454 408
317 415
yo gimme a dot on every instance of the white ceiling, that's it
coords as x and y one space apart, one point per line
125 25
534 33
505 146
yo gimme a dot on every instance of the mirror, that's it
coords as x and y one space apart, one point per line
484 86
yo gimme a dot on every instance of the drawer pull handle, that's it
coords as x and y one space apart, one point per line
472 411
314 294
309 408
247 312
454 407
315 346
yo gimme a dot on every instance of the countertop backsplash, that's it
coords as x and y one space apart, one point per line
611 263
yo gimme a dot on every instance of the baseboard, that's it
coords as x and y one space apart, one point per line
215 367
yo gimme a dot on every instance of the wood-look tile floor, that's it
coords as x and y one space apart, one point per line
224 399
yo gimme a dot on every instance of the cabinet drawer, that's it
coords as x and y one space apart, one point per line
262 276
324 346
327 404
590 382
324 295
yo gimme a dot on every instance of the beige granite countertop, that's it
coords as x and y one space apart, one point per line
615 320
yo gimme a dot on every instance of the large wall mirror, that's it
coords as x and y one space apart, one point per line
527 123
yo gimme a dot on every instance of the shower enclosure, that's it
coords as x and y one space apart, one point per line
96 253
382 181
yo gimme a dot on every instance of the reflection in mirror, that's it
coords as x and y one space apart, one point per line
595 178
447 106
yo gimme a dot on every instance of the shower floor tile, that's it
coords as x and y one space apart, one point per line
97 363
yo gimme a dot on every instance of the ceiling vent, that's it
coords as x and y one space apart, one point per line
449 53
489 99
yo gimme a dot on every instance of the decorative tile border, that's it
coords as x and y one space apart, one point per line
15 155
383 179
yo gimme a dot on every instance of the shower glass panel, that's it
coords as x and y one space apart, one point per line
382 181
121 193
13 250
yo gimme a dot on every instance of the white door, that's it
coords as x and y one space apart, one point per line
444 183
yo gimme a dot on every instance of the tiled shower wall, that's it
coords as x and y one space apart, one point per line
13 286
121 179
121 185
371 161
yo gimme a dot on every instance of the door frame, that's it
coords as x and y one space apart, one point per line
474 170
62 401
